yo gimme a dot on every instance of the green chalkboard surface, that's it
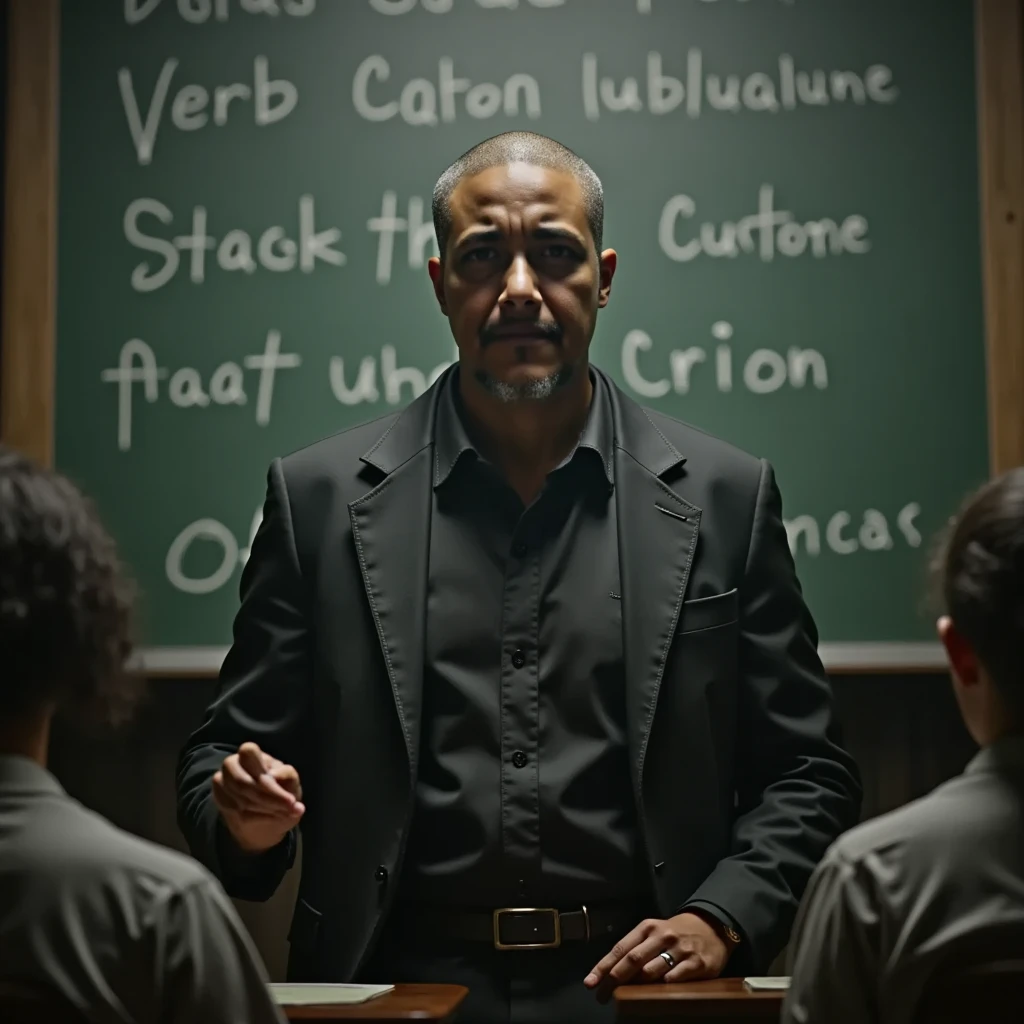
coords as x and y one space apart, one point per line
791 185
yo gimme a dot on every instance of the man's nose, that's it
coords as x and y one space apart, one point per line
520 284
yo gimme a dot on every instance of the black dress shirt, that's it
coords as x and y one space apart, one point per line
524 789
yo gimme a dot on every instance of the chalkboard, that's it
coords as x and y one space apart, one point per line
791 185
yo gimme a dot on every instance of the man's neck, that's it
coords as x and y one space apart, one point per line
527 439
26 736
1001 730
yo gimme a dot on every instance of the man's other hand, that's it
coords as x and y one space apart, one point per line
259 798
695 947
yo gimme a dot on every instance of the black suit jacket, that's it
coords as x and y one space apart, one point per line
739 782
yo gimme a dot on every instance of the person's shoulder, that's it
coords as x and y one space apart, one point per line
716 471
692 441
84 850
716 475
947 819
345 447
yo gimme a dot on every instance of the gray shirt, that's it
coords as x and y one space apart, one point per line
125 930
893 898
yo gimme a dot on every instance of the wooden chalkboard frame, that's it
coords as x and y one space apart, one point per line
28 339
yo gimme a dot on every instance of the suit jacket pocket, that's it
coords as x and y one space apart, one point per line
709 612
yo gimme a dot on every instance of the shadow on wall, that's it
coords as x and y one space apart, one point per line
904 731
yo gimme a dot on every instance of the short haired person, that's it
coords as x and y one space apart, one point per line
901 897
522 644
118 928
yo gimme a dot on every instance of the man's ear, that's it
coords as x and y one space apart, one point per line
962 659
606 264
436 271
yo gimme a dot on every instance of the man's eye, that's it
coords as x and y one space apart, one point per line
560 252
480 254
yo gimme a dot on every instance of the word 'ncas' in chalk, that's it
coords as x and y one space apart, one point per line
274 250
844 537
186 388
418 227
395 7
422 102
763 372
193 108
767 233
785 88
197 12
394 379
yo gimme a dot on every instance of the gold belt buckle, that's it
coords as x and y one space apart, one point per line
554 944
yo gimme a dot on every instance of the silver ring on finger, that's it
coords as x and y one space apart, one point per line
668 958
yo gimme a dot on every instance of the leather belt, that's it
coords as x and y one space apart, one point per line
512 928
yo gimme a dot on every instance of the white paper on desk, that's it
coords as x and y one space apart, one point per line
325 995
775 984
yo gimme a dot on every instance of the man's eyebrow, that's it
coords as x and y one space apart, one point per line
480 235
477 236
547 233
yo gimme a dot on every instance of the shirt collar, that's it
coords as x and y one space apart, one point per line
23 775
452 442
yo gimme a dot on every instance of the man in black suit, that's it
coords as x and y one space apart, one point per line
526 645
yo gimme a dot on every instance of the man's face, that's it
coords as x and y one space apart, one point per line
521 281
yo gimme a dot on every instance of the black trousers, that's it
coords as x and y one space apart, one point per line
542 986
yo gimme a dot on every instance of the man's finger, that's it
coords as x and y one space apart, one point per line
618 951
657 968
252 793
244 787
252 759
222 797
693 968
288 777
243 814
270 786
258 766
636 959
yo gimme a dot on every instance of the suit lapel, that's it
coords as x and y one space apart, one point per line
391 529
657 533
391 532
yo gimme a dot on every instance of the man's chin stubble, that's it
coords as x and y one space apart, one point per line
531 391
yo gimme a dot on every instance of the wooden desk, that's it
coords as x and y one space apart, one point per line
723 999
406 1002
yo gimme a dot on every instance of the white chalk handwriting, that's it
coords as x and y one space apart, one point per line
137 364
274 250
193 106
429 102
698 90
766 233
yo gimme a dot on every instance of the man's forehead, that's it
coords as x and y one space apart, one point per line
521 187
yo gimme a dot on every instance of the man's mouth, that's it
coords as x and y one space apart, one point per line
522 332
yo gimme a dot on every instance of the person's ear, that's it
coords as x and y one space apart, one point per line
606 264
436 271
962 659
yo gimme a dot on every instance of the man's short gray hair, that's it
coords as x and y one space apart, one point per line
518 147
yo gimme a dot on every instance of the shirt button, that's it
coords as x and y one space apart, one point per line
519 759
518 658
519 549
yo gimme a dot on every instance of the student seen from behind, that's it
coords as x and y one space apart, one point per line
117 928
899 900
